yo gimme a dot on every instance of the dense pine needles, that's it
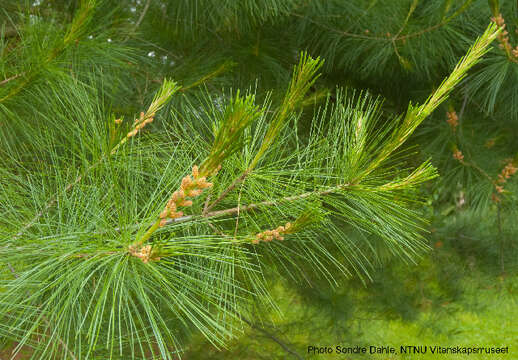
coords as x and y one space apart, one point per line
94 272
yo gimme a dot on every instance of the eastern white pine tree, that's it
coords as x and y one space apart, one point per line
161 162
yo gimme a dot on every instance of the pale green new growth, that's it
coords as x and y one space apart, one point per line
416 114
238 115
304 76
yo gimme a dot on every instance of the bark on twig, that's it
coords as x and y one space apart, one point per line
5 81
273 337
139 21
229 189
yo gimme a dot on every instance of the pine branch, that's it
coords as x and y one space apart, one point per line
304 76
398 37
76 28
162 96
279 201
231 187
139 21
253 206
410 12
238 115
14 77
135 288
461 9
417 114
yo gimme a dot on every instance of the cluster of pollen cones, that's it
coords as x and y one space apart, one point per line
142 121
192 186
145 253
270 235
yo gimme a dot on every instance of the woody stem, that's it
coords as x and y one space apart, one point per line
229 189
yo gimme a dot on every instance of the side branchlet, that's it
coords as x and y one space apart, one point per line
306 219
416 114
238 115
162 96
304 76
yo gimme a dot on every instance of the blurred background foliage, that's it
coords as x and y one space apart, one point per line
113 55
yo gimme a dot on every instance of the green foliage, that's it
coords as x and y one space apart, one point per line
285 174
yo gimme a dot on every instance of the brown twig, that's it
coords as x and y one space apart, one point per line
5 81
10 32
229 189
273 337
206 205
501 238
253 206
238 208
139 21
